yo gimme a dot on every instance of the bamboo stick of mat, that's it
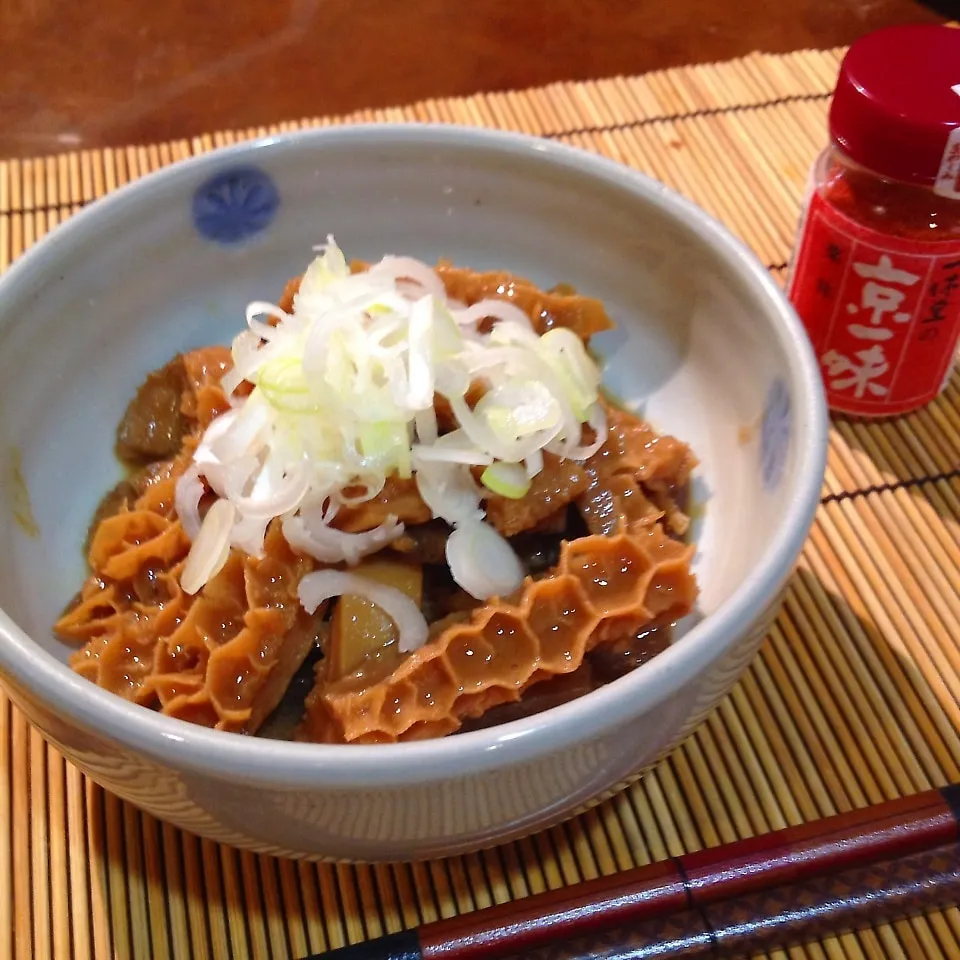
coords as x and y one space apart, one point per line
779 888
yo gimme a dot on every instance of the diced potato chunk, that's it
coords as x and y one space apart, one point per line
359 627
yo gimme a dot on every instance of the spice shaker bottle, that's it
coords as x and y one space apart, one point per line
876 272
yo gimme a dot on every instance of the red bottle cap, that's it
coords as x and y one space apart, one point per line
897 101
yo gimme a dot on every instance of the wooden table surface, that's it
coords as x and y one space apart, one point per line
90 73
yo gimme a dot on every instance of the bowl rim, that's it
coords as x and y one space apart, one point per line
184 746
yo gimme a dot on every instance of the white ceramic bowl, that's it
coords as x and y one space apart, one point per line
706 346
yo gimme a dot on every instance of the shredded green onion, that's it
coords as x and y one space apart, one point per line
508 479
341 397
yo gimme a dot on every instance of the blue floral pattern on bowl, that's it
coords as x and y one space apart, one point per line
235 205
775 434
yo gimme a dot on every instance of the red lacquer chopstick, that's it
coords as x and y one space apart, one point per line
707 898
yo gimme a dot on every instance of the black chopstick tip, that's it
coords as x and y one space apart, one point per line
951 796
395 946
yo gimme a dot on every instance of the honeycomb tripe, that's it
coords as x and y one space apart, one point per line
604 588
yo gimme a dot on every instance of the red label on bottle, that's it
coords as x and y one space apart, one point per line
883 313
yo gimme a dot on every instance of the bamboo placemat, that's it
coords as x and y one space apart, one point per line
854 698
